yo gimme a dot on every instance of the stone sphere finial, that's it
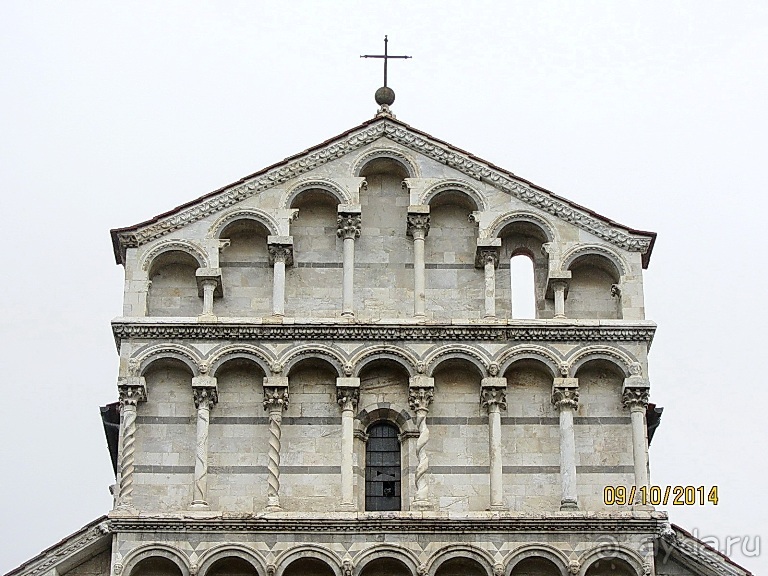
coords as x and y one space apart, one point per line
385 95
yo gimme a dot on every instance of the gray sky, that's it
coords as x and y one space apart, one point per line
651 113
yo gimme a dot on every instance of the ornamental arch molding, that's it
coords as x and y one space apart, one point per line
285 559
436 357
396 354
328 187
446 553
253 214
224 551
166 246
304 352
223 354
386 412
545 356
133 558
616 262
545 551
611 551
619 358
471 193
405 160
385 551
547 230
147 356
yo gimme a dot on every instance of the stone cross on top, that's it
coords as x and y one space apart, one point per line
385 95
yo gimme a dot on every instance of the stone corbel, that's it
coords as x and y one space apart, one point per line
213 247
284 217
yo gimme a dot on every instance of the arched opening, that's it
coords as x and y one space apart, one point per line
454 287
308 567
385 567
523 287
170 401
461 567
610 567
317 256
245 268
156 566
231 566
590 293
535 566
173 285
232 436
383 284
382 468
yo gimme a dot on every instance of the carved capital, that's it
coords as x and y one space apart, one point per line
487 256
635 398
420 398
205 396
565 398
492 397
280 253
275 398
348 225
347 397
418 224
131 391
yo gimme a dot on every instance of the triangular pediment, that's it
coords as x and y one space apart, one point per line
689 554
367 133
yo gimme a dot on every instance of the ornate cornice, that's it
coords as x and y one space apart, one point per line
403 523
124 330
692 550
354 140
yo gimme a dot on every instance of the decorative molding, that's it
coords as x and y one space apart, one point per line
186 246
447 185
693 549
269 222
501 222
329 186
357 166
595 249
125 330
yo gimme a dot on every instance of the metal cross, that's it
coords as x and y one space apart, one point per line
386 57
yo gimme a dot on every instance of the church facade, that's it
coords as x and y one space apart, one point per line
321 373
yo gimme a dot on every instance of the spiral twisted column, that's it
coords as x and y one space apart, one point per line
565 397
275 401
206 395
132 390
420 394
493 397
635 399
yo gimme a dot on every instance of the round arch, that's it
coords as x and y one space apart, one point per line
545 551
308 351
154 352
406 161
612 260
220 356
385 551
448 352
385 411
164 247
463 551
285 559
328 187
221 552
609 551
615 356
463 188
548 231
384 352
253 214
544 356
136 556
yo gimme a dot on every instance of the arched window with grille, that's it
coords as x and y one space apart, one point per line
382 468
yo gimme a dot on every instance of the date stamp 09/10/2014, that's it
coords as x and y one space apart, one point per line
660 495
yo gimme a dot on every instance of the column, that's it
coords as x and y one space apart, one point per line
348 223
132 390
275 401
205 394
418 228
420 393
347 395
559 288
487 258
493 397
565 398
280 255
635 399
209 286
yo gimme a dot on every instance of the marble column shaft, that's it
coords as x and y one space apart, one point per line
493 398
280 256
132 390
347 395
275 401
635 399
418 228
205 395
559 289
565 397
349 231
420 394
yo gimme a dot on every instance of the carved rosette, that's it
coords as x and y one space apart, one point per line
348 226
347 398
130 396
280 253
418 225
635 399
275 401
419 400
493 399
565 398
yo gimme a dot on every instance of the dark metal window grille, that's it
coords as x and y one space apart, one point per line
382 468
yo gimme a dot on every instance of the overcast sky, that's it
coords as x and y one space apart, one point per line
651 113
